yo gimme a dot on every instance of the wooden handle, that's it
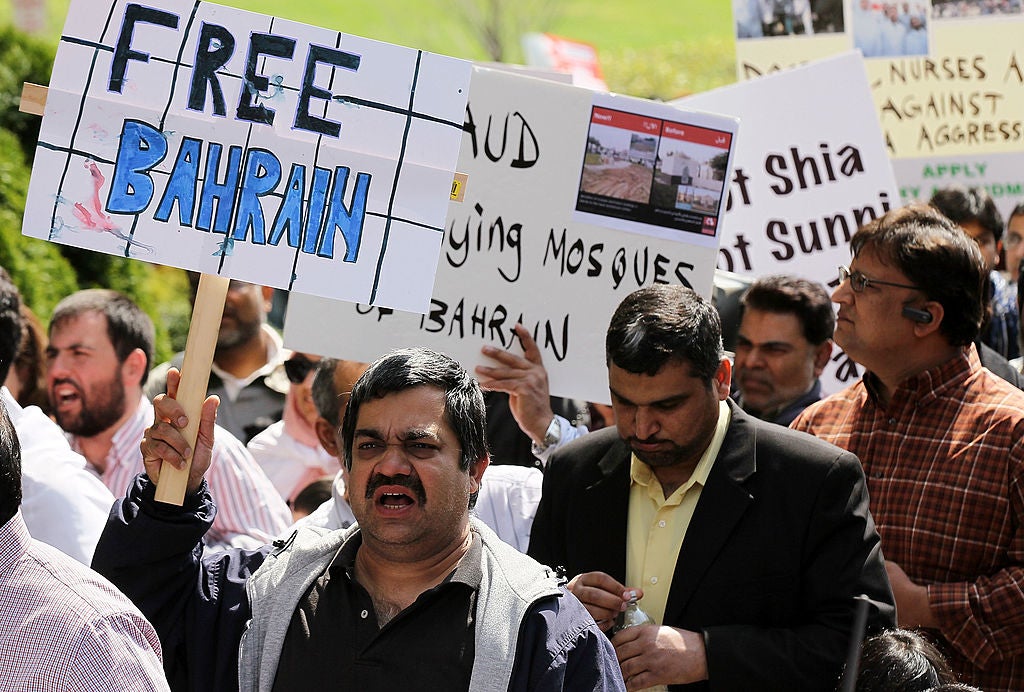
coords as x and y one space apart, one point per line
195 376
33 99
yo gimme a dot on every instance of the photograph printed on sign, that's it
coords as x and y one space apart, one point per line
660 173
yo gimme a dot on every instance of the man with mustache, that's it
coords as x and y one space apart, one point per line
101 345
941 439
416 595
248 363
748 543
784 343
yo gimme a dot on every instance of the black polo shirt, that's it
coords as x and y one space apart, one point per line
333 638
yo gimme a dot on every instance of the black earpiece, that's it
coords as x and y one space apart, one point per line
917 315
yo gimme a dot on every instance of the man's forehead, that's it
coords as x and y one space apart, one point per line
90 324
770 326
417 408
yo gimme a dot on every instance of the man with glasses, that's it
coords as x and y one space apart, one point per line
289 451
941 439
101 345
247 372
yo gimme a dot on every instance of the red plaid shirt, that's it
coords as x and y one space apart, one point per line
945 468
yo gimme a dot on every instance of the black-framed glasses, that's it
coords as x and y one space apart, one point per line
297 368
858 282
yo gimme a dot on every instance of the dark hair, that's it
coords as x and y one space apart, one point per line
313 495
423 367
30 363
663 323
128 327
961 204
901 660
807 300
326 400
1016 211
12 324
937 257
10 467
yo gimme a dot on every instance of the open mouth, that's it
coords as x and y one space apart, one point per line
394 501
65 396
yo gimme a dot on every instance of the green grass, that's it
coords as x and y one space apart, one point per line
657 48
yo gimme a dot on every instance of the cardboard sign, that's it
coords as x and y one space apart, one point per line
947 78
573 200
233 143
810 169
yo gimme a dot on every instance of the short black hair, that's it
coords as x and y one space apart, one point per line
807 300
961 204
901 660
12 323
326 400
936 256
10 467
406 369
128 327
661 323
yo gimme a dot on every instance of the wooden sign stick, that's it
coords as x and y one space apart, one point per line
195 376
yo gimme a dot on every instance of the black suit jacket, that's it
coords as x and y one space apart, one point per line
780 544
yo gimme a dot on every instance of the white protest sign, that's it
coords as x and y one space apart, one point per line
233 143
1001 174
810 169
574 199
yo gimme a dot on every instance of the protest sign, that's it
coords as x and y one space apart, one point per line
1002 175
947 81
573 200
810 168
209 138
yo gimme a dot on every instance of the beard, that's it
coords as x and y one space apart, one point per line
100 409
242 332
659 459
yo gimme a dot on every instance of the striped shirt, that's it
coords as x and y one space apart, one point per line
64 627
945 468
250 512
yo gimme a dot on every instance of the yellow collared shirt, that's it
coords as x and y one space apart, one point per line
657 524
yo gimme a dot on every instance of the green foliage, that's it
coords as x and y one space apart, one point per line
22 59
670 71
42 275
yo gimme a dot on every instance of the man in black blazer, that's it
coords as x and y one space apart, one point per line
748 542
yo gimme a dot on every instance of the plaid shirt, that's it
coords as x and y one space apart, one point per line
945 469
250 512
64 627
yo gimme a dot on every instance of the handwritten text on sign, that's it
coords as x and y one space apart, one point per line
229 142
516 250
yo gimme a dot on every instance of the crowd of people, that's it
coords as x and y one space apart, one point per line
407 522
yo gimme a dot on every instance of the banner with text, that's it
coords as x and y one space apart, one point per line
228 142
573 200
810 168
947 81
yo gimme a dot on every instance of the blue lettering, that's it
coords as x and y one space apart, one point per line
142 146
262 174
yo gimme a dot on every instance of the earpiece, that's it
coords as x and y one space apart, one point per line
917 315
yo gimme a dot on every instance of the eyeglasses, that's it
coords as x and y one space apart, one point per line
297 368
858 282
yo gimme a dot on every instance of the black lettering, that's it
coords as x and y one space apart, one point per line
326 56
123 51
260 44
215 47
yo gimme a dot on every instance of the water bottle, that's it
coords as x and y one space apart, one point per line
633 616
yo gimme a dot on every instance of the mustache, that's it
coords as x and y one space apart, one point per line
411 482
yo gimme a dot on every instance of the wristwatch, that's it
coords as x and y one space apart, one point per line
553 434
